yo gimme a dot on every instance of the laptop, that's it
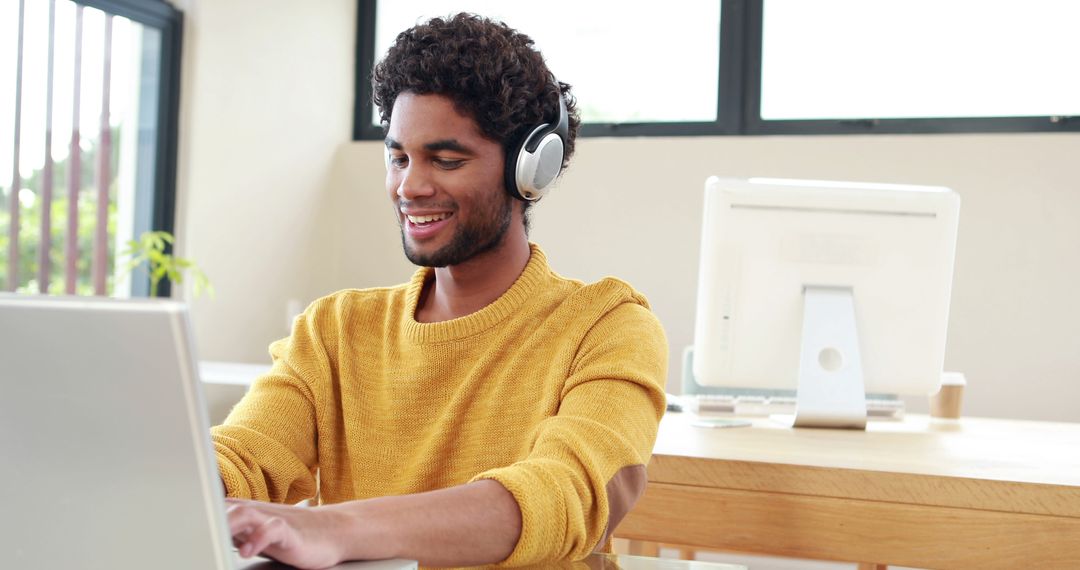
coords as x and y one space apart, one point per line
105 454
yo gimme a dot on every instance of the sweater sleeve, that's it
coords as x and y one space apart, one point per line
266 448
586 467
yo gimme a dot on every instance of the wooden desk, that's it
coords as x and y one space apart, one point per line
928 493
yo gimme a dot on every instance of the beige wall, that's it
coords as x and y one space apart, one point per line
277 204
266 98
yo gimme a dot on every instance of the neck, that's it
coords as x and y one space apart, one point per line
463 289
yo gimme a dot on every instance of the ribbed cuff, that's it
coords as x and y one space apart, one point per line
236 486
543 515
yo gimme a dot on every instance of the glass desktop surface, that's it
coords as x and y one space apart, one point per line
612 561
258 563
595 561
598 561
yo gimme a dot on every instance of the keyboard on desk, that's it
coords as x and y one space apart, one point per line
747 405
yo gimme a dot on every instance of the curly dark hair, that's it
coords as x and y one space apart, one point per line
490 71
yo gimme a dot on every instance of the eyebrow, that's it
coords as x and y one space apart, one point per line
434 146
448 144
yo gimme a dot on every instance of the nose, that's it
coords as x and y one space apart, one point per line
412 182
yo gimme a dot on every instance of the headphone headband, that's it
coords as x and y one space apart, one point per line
561 127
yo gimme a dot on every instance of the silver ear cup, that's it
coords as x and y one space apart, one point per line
549 162
536 171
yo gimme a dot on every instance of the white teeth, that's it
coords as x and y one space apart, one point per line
427 219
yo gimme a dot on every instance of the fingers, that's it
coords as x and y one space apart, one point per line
273 531
253 530
243 519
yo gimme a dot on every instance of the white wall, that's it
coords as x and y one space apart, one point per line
276 203
267 96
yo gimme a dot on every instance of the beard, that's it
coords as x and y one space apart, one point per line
481 233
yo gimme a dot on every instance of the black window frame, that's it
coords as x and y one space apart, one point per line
738 110
162 16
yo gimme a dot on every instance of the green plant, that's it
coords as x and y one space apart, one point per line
150 249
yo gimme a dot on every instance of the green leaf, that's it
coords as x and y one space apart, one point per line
150 249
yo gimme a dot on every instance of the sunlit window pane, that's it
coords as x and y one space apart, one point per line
625 63
87 133
842 59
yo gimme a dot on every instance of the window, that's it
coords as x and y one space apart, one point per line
729 67
963 65
615 81
620 90
87 140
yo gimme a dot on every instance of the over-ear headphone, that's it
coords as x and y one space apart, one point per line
535 163
533 166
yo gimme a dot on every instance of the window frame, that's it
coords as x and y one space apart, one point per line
162 16
738 110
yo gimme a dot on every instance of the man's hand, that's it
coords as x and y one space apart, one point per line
468 525
307 538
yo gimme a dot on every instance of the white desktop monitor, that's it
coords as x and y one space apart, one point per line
834 289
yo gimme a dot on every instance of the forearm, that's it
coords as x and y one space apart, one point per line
472 524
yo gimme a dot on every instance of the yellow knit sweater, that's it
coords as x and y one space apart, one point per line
555 390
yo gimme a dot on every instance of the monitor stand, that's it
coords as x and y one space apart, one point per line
831 392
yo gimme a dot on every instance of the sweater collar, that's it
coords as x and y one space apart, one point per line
527 285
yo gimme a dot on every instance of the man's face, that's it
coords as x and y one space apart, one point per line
446 182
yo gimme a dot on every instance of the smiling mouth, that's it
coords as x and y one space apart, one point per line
421 220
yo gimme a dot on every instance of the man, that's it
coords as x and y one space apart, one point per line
488 411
